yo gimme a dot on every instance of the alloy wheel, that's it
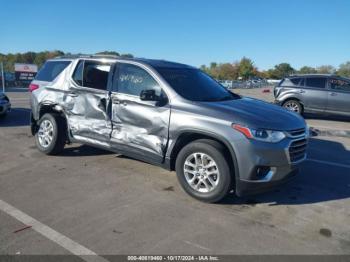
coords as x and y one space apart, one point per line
201 172
45 133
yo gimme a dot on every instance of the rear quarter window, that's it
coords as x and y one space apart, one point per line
291 82
50 70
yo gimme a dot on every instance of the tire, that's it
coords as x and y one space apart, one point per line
3 115
294 106
57 131
211 152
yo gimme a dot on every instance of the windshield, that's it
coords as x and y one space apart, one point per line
195 85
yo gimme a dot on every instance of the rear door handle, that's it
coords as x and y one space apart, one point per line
73 94
301 91
115 101
333 94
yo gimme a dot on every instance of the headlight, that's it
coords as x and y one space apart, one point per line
271 136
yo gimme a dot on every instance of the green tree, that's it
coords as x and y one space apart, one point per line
227 71
108 53
326 69
280 71
307 70
344 69
246 68
213 65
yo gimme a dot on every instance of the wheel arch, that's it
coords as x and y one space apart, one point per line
47 108
288 98
188 136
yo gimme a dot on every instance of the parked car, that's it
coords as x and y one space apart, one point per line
9 79
5 105
171 115
226 83
314 93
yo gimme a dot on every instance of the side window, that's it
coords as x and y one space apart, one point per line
316 82
132 80
291 81
92 74
340 84
51 70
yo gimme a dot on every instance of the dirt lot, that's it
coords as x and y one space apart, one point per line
89 200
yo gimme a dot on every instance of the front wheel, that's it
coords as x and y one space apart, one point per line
203 170
50 137
294 106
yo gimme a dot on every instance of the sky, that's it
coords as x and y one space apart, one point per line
195 32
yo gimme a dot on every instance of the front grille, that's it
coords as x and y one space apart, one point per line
297 132
297 150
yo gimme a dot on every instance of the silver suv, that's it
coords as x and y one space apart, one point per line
327 94
171 115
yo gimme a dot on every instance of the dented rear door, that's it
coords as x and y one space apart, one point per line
86 103
140 128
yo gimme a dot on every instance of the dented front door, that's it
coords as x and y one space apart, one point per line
139 127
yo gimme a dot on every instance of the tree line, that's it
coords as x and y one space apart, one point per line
39 58
243 69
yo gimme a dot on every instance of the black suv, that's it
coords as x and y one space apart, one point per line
315 94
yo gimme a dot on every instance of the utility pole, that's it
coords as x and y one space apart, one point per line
2 77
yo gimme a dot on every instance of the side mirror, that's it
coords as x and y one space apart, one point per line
149 95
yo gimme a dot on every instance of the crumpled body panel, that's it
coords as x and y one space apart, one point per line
86 113
140 125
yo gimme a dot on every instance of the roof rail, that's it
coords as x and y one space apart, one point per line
102 55
313 74
87 56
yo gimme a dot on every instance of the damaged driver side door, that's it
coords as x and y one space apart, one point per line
139 123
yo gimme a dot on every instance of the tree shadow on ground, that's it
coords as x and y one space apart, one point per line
83 150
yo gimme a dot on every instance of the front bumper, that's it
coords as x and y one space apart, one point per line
4 107
277 102
263 166
245 187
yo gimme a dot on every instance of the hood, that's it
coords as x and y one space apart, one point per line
256 114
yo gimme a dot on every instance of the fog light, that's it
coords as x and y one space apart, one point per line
262 171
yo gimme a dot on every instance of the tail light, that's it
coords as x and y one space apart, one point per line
32 87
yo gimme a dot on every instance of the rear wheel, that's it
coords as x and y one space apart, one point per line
51 135
294 106
203 170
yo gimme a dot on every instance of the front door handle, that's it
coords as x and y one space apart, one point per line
333 94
